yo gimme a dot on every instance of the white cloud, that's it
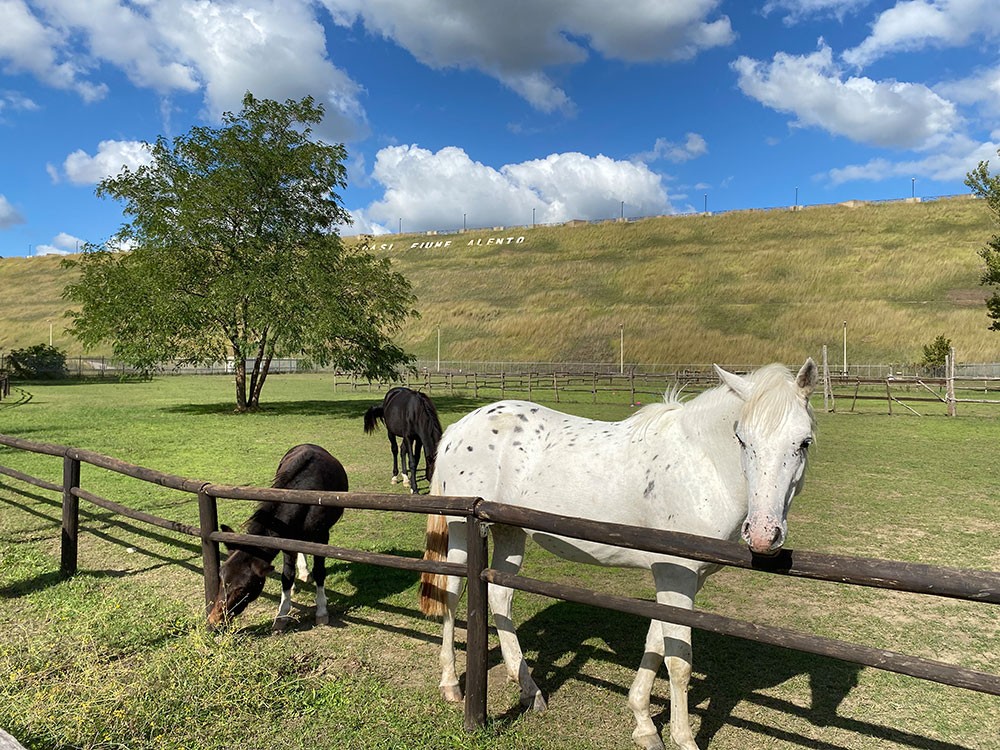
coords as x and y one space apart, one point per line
9 216
796 11
15 101
62 244
81 168
28 44
954 162
274 48
516 42
882 113
914 24
430 190
694 145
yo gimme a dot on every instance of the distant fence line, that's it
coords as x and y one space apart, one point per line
101 366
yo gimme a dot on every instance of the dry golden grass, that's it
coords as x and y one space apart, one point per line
741 288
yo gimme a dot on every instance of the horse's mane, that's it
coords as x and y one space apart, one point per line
431 411
774 392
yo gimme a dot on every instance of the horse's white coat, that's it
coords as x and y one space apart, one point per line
725 463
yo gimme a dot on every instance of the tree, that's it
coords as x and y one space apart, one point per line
233 253
987 186
936 352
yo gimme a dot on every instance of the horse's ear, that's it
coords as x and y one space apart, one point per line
228 530
738 385
807 377
260 567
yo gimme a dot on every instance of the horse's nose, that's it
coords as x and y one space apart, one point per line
763 538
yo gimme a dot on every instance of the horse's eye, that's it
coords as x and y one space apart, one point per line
804 446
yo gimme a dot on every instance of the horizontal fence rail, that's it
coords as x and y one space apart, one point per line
972 585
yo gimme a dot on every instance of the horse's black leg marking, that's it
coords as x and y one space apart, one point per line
287 580
395 456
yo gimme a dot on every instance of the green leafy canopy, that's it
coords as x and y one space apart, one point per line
987 187
233 251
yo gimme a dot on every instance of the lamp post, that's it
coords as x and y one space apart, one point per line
913 187
621 348
623 211
532 218
845 347
400 224
439 350
796 196
706 203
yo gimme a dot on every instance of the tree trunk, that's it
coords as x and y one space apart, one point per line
259 384
240 365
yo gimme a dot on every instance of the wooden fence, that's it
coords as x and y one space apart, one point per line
4 385
980 586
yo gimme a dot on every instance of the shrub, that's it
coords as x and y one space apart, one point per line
935 353
40 361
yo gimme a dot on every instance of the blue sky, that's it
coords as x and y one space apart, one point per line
497 113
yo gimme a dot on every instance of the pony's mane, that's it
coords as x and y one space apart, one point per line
428 406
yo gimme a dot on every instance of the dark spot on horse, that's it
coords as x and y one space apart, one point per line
649 488
522 417
495 408
461 472
469 448
519 429
516 442
492 447
534 410
495 431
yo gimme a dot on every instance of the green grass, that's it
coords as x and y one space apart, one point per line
118 657
742 288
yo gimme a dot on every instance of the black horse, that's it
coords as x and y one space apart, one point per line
304 467
411 416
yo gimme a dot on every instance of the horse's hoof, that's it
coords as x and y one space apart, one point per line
322 619
280 625
649 741
395 480
451 693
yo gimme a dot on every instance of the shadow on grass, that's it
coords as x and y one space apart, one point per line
568 635
333 407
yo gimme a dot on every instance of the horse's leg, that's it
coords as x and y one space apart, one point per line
508 555
395 458
676 585
319 576
408 447
449 686
645 734
301 569
287 580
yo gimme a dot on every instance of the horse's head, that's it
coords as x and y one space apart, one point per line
241 580
774 430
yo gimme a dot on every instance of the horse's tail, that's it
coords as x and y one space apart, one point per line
434 586
372 416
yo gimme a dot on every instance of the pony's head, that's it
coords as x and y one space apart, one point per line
774 431
241 581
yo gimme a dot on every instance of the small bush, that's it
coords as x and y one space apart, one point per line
40 361
935 354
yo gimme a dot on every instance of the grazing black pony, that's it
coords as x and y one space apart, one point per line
409 415
241 580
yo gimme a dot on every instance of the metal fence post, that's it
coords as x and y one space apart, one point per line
70 516
476 647
208 517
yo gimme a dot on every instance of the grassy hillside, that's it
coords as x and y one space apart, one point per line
741 288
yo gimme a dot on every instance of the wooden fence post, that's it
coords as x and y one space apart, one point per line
208 518
477 621
70 516
949 373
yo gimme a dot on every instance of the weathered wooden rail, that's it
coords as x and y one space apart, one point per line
974 585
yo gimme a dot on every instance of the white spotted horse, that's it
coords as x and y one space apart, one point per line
724 464
304 467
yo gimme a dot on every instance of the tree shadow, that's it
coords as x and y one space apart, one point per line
333 407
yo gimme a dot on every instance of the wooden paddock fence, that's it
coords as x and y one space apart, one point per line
4 385
972 585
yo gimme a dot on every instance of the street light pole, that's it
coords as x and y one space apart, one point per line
439 350
845 347
621 349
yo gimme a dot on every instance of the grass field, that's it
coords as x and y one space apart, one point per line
118 657
742 288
